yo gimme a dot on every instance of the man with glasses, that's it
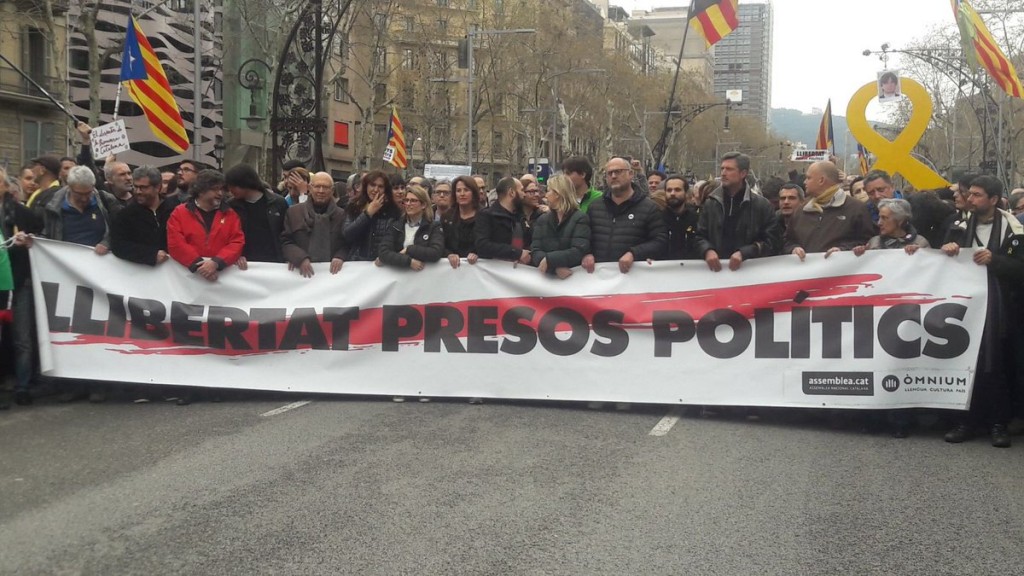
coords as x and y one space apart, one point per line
532 207
626 226
138 233
187 170
996 239
442 199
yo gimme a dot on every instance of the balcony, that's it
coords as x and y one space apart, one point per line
14 87
39 6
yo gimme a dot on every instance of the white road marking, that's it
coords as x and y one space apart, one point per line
665 424
286 408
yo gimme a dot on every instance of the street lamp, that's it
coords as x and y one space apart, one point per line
251 80
471 37
218 151
556 110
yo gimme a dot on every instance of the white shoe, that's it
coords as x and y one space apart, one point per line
398 398
476 400
424 399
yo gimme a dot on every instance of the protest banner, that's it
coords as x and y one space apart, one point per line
109 139
810 155
885 330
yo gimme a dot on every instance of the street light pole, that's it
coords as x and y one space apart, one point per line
471 37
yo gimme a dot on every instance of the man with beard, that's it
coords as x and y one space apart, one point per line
680 221
138 233
625 225
499 227
997 241
187 171
119 181
312 229
205 234
261 212
790 197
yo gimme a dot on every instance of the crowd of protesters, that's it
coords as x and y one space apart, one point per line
209 222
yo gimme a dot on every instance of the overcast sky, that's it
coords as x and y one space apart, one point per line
818 44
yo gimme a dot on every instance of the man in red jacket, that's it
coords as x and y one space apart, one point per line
205 234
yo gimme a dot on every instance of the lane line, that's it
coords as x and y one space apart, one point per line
286 408
665 424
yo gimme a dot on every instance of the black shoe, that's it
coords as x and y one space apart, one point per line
184 400
23 398
97 397
961 433
1000 435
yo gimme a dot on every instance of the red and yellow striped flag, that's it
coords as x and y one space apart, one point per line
715 19
396 154
981 49
148 86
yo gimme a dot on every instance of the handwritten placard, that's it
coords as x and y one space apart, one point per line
109 139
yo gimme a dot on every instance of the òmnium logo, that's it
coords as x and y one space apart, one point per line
891 383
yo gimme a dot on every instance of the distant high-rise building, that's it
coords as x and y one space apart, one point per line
668 25
743 61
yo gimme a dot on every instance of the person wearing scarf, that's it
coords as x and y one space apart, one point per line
896 233
831 220
312 230
997 241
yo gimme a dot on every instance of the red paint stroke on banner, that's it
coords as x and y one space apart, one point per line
638 310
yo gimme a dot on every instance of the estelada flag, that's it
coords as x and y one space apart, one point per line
715 19
862 158
148 86
981 49
396 154
826 139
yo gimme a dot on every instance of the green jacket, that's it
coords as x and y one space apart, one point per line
563 243
589 197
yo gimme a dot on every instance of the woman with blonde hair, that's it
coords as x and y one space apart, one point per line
414 239
561 236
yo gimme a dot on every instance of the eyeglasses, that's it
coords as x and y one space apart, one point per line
442 193
532 191
412 201
617 172
186 169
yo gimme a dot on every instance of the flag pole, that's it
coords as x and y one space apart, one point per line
662 143
41 89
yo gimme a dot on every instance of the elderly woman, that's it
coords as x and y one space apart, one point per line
895 232
415 239
562 235
895 229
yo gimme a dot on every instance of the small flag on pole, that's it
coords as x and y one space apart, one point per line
395 154
981 49
148 86
826 139
862 158
715 19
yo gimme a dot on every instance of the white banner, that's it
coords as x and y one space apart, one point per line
883 330
446 171
109 139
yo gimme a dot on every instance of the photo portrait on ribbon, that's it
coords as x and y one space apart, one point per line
889 89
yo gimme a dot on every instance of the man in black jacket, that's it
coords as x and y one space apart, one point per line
262 213
138 233
997 239
680 220
625 225
734 222
499 227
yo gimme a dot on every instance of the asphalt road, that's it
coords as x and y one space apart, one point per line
365 486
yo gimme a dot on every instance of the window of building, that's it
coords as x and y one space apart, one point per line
499 141
37 138
36 54
442 25
408 59
380 93
410 24
380 21
382 58
442 3
341 136
341 90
